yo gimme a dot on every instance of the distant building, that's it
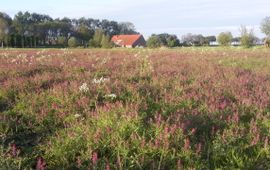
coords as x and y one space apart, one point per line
213 43
129 41
260 42
235 43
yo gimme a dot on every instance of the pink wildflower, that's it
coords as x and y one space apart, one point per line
255 139
107 166
187 144
40 164
94 158
14 150
179 165
193 131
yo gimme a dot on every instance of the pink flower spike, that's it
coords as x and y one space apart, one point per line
14 150
40 164
94 158
187 144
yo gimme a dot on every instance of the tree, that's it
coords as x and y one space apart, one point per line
265 26
225 38
110 27
127 28
247 37
3 31
106 41
194 40
199 40
84 34
187 39
5 22
153 42
168 40
21 23
62 41
97 38
93 43
73 42
38 19
164 39
266 42
173 42
83 31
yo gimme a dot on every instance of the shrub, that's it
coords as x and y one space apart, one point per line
62 41
106 41
96 42
93 44
224 38
153 42
73 42
247 37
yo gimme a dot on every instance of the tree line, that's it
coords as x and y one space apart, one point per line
38 30
33 30
246 39
168 40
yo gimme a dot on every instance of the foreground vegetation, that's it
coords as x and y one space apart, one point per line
189 108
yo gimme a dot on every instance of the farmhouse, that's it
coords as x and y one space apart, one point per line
129 41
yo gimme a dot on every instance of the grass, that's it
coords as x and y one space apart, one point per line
186 108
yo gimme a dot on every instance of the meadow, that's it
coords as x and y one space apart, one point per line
185 108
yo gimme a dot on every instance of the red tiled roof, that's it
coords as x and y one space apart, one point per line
125 39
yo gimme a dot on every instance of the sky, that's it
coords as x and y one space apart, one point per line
179 17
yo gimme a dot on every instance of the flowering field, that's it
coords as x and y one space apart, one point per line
189 108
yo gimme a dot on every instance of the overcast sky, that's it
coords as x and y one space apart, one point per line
208 17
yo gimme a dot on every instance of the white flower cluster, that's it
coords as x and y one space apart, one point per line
43 57
4 55
43 51
105 60
84 88
77 115
22 59
66 51
22 56
101 80
111 96
146 66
